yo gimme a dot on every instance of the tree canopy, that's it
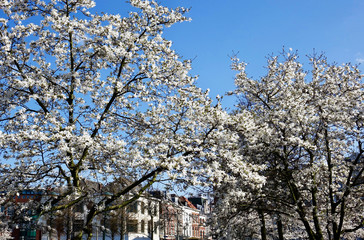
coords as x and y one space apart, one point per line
95 108
100 98
306 128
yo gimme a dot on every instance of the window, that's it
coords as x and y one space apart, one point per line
78 208
155 226
155 207
132 226
142 226
142 207
77 225
133 207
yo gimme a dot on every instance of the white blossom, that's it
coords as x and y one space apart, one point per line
308 134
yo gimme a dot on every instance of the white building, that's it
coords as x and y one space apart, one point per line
142 219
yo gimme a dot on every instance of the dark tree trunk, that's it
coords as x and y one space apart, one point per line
263 230
280 228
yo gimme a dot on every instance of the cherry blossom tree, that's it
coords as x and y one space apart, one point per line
5 232
94 98
306 127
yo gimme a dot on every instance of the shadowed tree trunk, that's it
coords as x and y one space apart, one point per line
263 230
280 227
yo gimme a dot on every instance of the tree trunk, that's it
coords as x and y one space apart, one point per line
280 228
263 230
69 231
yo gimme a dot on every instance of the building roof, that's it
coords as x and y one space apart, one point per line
186 202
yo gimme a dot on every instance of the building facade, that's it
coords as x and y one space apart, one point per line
155 216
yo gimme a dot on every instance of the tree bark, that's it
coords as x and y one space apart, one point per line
280 228
263 230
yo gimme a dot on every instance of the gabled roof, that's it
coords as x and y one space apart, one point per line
187 203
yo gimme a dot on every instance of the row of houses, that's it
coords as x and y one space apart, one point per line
157 215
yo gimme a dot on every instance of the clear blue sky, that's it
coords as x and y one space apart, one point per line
257 28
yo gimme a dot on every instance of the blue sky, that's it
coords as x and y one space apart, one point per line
257 28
